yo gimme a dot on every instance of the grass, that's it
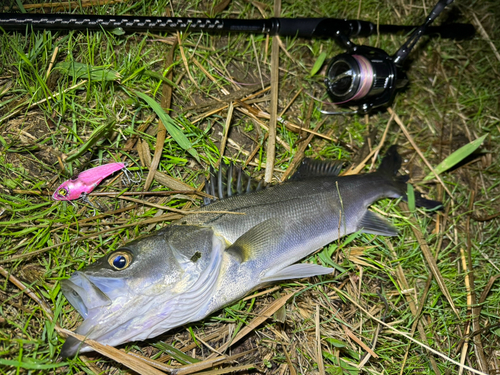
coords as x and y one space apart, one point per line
88 109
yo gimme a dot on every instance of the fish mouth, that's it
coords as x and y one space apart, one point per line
86 298
83 295
92 297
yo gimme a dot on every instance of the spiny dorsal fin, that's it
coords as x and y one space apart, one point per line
228 181
317 168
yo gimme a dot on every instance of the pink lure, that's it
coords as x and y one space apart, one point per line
85 182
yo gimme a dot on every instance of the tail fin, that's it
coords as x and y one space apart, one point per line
389 167
391 162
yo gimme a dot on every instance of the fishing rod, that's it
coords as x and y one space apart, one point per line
299 27
364 76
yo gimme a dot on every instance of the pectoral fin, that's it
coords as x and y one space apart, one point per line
374 224
269 241
297 271
263 240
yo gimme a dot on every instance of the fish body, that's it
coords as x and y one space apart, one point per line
206 260
85 182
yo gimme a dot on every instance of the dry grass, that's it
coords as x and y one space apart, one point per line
435 283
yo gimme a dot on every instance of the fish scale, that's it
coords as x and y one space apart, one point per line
298 200
205 261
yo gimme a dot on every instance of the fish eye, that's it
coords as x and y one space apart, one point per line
120 260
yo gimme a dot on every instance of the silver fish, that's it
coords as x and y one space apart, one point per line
203 262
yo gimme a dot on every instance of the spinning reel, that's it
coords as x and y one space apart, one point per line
368 77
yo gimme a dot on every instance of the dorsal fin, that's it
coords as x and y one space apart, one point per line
228 181
310 168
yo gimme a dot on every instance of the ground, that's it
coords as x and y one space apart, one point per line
424 301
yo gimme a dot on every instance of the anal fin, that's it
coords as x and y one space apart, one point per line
375 224
297 271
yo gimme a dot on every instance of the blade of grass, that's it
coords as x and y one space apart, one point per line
172 127
97 134
162 130
266 313
319 355
273 107
318 64
411 198
227 125
475 310
175 353
19 364
465 347
93 73
20 6
457 156
118 355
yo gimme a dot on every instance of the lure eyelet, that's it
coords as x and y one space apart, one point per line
120 260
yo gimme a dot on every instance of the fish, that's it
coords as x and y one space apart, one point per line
246 237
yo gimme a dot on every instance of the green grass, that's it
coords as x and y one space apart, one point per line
91 105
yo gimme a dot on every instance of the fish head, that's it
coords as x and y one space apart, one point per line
144 288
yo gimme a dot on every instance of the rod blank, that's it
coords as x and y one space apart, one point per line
300 27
